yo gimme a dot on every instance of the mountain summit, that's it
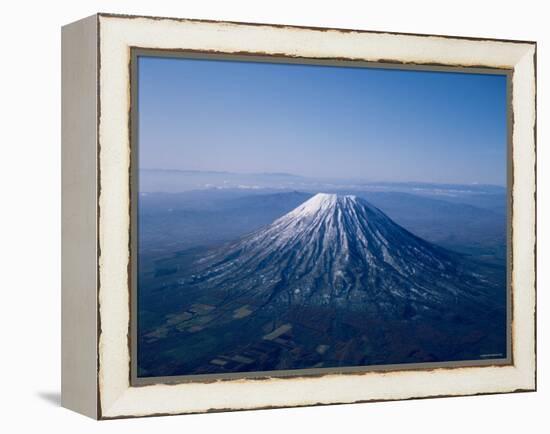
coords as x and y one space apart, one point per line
341 251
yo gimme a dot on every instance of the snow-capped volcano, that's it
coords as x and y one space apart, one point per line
341 251
334 282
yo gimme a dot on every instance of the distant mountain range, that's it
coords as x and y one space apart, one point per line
177 181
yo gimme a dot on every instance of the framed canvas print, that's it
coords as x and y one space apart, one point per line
260 216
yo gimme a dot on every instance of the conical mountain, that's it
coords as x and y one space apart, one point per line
335 282
343 252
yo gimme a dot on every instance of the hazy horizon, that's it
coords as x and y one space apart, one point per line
376 125
297 175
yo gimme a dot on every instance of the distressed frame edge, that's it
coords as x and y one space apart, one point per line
529 386
79 266
305 27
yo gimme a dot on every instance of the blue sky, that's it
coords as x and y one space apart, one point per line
320 121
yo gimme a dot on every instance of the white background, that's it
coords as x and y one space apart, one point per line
30 217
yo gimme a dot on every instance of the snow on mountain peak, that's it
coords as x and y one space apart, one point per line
321 202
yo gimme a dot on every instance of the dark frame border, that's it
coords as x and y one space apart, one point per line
136 52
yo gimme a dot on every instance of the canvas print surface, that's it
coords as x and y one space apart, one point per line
297 217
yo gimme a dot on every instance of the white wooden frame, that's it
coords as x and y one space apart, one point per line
96 215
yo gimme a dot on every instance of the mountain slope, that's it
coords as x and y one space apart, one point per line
343 252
